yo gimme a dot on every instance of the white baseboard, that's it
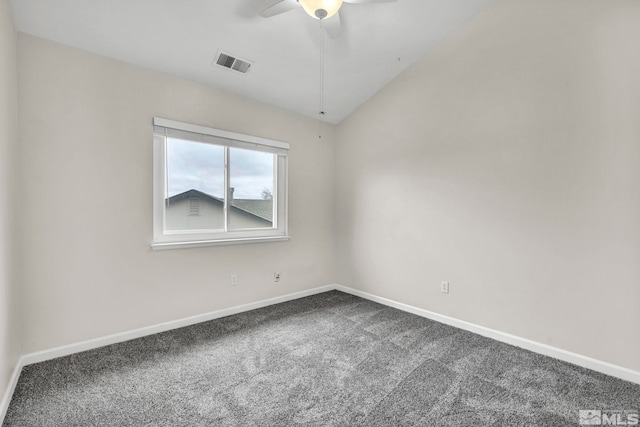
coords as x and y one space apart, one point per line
66 350
8 393
567 356
547 350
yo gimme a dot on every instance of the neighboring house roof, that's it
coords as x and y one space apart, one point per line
260 208
190 194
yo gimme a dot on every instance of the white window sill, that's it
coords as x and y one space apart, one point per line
203 243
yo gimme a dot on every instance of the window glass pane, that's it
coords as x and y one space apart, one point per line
252 184
195 186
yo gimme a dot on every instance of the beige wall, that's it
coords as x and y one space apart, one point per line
508 163
88 270
9 322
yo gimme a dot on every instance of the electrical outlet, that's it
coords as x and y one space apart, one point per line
234 279
276 276
444 287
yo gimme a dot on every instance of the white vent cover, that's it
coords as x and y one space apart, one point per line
232 62
194 206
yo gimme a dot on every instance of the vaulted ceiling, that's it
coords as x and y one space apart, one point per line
181 37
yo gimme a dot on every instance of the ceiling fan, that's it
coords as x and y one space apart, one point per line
325 10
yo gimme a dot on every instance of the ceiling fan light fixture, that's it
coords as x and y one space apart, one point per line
321 9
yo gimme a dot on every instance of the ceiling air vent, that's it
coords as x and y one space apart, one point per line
234 63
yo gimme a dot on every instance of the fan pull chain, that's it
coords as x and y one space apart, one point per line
321 98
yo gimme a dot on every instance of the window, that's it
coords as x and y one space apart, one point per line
216 187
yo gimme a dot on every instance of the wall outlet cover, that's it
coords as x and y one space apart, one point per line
444 287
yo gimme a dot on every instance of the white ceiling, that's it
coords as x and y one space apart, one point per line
181 37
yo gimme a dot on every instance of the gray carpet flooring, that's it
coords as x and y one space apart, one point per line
327 360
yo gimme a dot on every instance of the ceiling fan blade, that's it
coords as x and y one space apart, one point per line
333 26
281 6
368 1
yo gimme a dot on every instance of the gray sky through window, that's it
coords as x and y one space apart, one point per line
200 166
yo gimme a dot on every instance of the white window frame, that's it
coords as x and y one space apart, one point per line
170 239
